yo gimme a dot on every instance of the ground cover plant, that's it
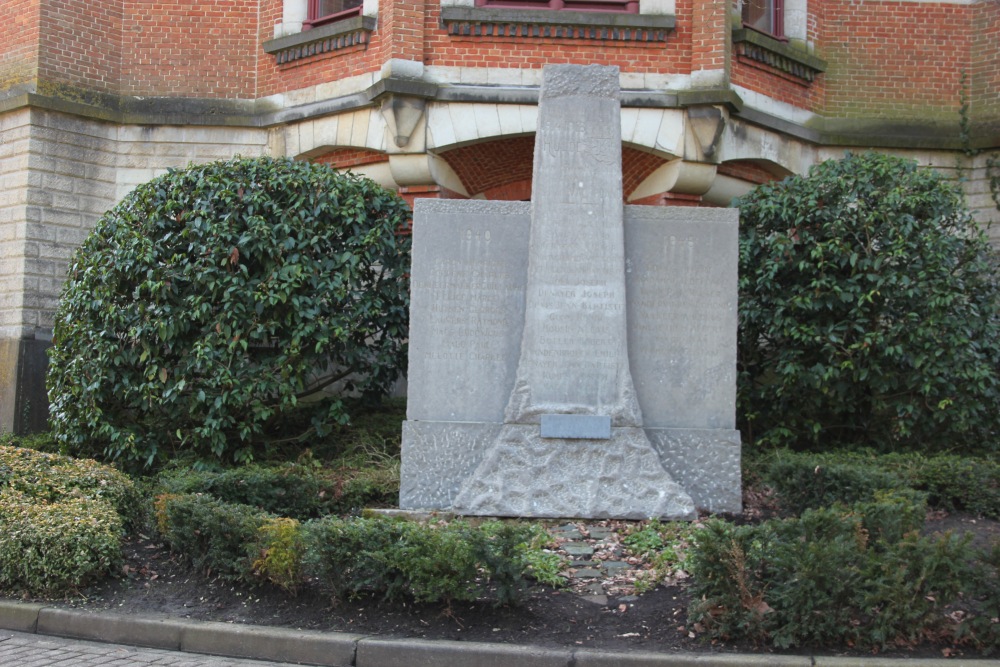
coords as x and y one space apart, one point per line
868 312
213 307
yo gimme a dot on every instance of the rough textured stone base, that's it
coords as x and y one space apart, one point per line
438 457
706 462
526 475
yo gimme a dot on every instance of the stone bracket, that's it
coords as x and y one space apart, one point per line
402 103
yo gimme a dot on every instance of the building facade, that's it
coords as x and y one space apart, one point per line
437 98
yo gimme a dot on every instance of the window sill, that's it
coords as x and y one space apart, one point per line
321 39
545 23
776 53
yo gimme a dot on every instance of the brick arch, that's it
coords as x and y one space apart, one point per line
343 158
491 165
636 167
753 171
502 169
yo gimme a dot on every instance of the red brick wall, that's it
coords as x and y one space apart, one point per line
80 43
709 36
191 49
672 57
19 32
404 20
895 59
774 83
318 69
984 83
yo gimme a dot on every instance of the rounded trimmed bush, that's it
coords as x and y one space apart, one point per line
54 548
213 306
868 311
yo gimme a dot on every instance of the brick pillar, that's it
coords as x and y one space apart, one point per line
402 23
710 43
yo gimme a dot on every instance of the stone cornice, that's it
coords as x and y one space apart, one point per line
847 132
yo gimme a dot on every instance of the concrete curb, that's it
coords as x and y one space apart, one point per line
338 649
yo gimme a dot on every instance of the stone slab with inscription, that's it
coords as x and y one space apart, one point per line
572 357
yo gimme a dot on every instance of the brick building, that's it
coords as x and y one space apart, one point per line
437 98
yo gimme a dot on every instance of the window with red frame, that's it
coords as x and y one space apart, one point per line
620 6
767 16
328 11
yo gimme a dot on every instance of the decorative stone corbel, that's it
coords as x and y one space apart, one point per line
705 125
402 103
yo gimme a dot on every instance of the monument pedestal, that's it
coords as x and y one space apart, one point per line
524 474
561 352
440 457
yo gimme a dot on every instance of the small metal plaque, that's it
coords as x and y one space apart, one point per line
577 427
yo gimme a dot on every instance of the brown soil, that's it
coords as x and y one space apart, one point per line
159 582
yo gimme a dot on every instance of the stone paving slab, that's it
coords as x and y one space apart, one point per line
18 649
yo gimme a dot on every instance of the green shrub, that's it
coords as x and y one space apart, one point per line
962 483
868 312
891 515
949 482
428 563
52 477
55 547
804 481
826 578
217 537
281 552
42 442
285 491
212 306
298 492
347 557
983 627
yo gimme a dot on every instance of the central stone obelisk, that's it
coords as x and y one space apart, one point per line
572 443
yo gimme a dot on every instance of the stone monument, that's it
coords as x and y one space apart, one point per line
572 357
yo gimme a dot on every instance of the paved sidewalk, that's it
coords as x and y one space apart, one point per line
29 632
18 649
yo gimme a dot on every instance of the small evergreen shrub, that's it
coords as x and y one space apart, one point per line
52 548
217 537
953 483
399 560
983 627
868 312
834 576
807 481
962 483
294 491
53 477
285 491
213 306
281 549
